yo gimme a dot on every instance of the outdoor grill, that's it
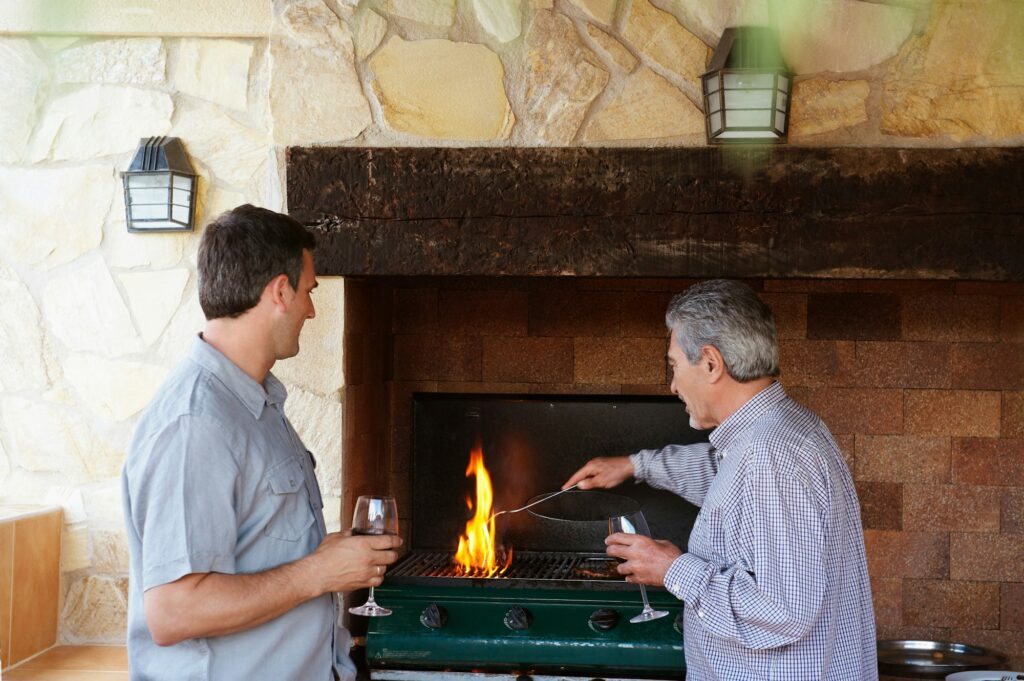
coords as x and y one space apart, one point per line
559 609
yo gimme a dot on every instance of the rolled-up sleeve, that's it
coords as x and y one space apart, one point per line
771 596
183 502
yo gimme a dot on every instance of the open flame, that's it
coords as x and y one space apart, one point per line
477 554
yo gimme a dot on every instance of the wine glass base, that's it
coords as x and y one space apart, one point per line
647 616
368 610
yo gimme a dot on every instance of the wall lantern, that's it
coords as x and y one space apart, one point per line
160 187
747 88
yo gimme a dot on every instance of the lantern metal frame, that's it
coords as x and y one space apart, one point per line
159 176
749 53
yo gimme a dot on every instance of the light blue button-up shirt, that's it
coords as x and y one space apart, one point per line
217 480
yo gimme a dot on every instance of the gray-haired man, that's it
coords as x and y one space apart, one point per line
775 578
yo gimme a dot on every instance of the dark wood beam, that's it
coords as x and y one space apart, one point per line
693 212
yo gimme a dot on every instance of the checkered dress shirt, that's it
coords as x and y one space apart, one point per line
775 581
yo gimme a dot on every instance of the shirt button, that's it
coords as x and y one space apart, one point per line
700 613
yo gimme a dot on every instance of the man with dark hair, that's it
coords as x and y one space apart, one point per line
775 581
232 571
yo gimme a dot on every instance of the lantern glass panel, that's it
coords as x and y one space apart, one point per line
749 118
180 214
748 135
181 198
145 180
781 101
183 182
143 197
714 104
716 123
748 99
150 211
747 79
711 84
783 83
780 121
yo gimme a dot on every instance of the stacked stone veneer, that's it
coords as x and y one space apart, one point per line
93 318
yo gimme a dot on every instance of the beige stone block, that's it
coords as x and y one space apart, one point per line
950 81
187 322
154 297
315 55
126 250
100 120
820 105
219 201
75 553
232 152
442 89
501 19
368 29
114 390
51 216
95 611
647 107
318 420
23 76
562 78
430 12
840 36
613 48
137 17
123 60
103 506
214 70
21 337
70 446
710 19
318 366
84 310
5 467
659 36
109 551
56 43
598 10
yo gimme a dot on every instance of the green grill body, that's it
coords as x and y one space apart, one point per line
559 639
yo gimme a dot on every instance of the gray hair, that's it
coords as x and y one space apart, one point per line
729 316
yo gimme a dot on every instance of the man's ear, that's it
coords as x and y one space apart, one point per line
278 291
712 363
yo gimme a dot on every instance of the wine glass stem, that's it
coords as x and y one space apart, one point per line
370 601
643 592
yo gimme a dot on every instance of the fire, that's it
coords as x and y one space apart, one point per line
477 554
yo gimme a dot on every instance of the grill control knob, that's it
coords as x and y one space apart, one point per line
434 616
604 619
678 624
518 618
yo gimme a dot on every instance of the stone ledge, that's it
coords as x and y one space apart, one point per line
239 18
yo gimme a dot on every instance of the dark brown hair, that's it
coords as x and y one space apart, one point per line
241 251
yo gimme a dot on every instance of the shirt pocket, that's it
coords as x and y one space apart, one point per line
291 514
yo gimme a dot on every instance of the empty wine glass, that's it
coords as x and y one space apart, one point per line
635 523
374 516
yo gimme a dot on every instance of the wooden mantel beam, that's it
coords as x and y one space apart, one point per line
689 212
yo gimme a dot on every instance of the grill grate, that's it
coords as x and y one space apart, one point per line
533 565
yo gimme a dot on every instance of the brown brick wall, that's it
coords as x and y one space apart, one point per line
921 382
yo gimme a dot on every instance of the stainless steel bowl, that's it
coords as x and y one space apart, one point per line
933 659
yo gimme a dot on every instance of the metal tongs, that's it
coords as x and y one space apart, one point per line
534 503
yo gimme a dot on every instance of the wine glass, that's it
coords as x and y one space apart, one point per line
635 523
374 516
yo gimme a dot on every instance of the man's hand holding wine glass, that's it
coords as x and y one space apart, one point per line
646 560
348 562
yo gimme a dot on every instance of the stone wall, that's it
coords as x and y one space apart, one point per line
93 317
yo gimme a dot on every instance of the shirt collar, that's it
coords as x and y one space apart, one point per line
240 384
722 436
